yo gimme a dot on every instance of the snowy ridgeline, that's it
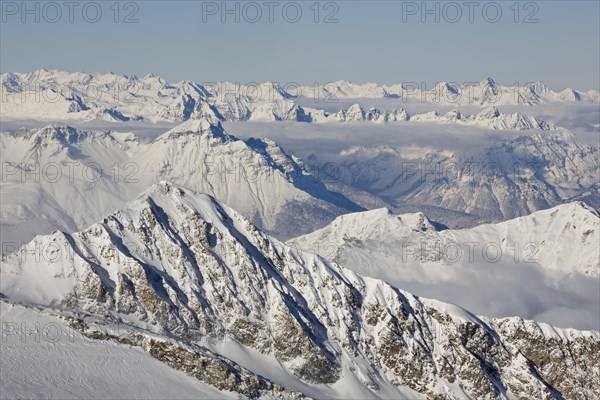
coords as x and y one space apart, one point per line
60 96
544 266
210 306
73 177
188 281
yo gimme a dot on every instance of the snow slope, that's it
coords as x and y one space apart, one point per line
533 266
55 361
192 282
58 177
506 176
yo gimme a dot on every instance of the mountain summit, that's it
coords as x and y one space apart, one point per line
192 282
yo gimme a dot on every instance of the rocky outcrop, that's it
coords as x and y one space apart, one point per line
182 268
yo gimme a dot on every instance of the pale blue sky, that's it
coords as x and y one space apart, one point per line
371 42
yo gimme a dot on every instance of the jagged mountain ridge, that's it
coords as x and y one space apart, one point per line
514 176
527 266
73 177
485 93
490 118
566 235
184 267
57 95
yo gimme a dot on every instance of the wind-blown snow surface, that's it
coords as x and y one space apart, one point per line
544 266
194 284
55 361
59 177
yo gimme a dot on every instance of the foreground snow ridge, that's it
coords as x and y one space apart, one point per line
197 286
543 266
565 236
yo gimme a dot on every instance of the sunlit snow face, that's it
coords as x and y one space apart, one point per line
541 267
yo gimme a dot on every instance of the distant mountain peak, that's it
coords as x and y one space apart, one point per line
489 112
488 81
52 132
207 124
157 100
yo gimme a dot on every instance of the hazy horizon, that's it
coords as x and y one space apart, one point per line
380 41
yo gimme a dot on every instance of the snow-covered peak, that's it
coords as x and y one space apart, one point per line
488 113
168 190
42 142
539 88
490 118
174 202
357 113
277 157
191 281
61 133
373 225
205 124
488 82
488 90
574 212
353 113
446 88
570 95
565 238
344 89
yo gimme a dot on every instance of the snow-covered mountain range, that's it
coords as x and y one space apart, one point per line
62 96
490 118
58 177
193 279
192 283
536 264
72 177
510 176
484 93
